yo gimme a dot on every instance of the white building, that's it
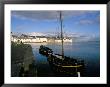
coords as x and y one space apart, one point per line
28 39
64 40
14 38
37 39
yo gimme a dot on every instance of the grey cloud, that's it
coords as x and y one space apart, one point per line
47 15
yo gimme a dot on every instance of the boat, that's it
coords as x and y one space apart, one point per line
45 50
67 66
60 64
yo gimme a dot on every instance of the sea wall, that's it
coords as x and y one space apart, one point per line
22 60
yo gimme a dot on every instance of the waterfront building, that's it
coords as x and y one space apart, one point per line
29 39
37 39
14 38
64 40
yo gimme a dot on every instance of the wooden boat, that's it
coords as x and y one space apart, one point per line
66 66
60 64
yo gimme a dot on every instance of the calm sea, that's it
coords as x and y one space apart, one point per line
89 51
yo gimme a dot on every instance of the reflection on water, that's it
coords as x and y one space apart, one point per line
89 51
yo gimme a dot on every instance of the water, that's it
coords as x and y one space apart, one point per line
89 51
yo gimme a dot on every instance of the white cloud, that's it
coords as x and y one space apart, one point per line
86 21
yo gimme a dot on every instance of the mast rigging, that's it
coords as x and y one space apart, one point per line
61 34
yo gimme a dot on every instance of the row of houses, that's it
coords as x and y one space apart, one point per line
26 39
38 39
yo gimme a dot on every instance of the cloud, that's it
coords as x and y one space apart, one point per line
48 15
87 38
86 22
20 27
98 19
35 15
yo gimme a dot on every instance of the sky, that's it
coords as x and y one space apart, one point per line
82 23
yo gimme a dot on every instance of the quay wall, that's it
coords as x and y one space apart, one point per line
21 57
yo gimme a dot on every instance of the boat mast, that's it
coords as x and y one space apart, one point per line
61 34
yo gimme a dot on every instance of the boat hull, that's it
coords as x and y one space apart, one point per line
63 67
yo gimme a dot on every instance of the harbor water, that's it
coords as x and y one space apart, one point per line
88 51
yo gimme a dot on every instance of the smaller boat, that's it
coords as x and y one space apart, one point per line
45 50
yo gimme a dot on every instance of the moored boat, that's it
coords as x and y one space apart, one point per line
66 66
60 64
